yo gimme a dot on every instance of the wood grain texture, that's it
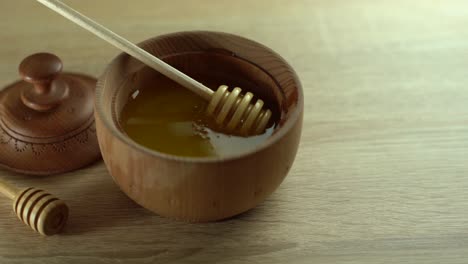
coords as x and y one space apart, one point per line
381 174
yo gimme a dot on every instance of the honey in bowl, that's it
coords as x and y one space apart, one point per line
168 118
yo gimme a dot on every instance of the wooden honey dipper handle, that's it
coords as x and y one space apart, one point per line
8 190
128 47
41 211
233 111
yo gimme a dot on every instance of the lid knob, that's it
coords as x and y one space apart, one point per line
47 92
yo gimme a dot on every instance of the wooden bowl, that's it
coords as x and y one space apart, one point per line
201 189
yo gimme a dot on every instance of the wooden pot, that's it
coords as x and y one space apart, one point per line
201 189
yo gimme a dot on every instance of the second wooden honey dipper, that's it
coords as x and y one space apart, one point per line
40 210
233 111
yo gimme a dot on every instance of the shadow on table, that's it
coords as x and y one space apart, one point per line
99 207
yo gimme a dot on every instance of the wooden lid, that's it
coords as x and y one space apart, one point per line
46 120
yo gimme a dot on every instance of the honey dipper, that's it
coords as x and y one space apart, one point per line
41 211
232 110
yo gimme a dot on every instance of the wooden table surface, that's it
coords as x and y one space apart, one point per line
382 172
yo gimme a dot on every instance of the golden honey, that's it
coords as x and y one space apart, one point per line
168 118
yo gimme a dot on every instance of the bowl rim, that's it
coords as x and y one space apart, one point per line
278 134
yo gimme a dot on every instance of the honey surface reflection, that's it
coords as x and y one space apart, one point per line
168 118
